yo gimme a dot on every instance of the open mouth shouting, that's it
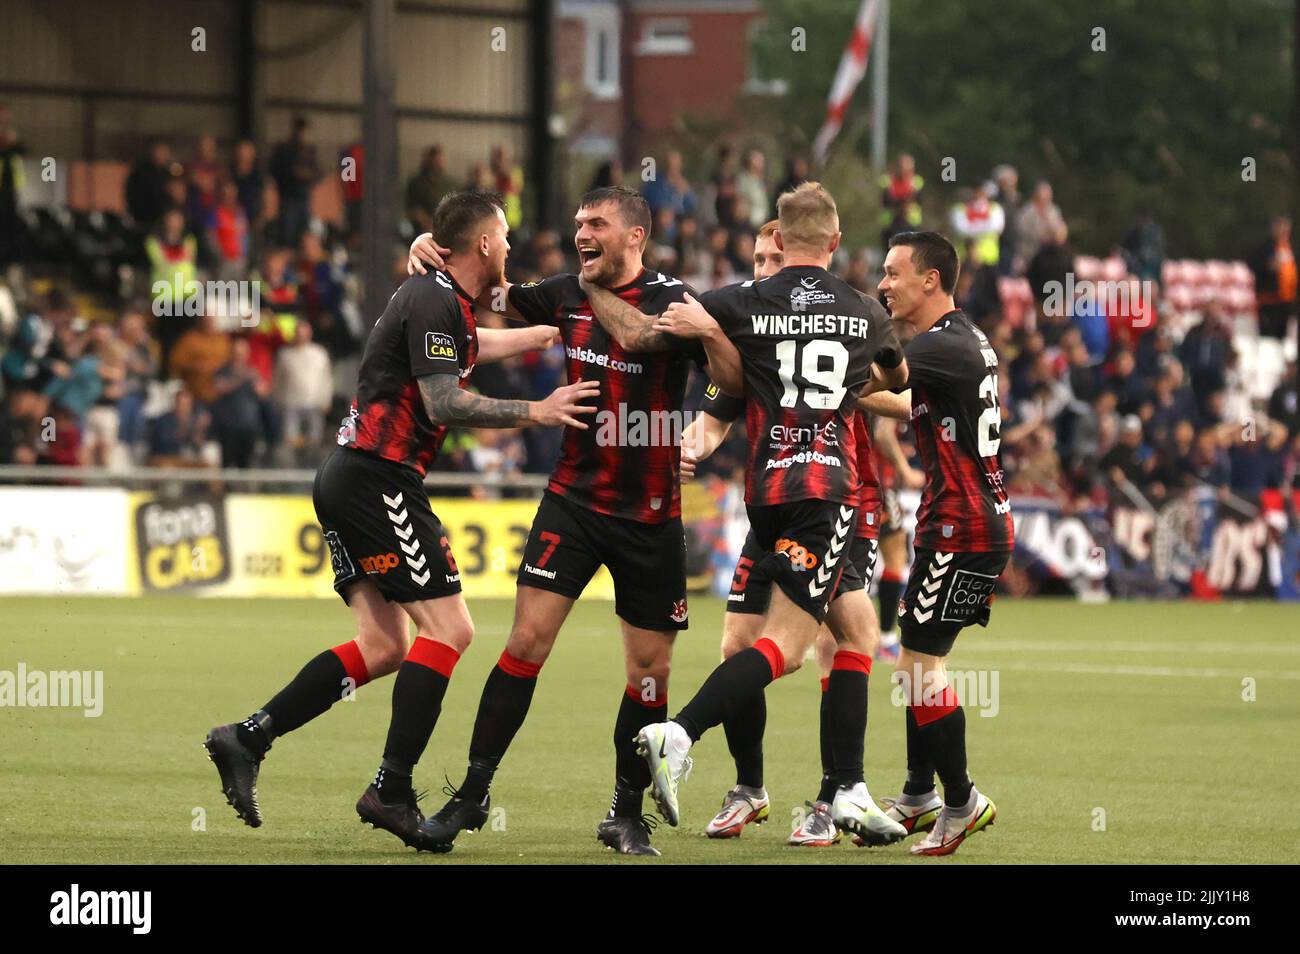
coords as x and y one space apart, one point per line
591 256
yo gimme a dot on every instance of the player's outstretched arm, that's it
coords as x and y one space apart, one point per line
497 344
690 319
888 404
627 324
701 438
447 403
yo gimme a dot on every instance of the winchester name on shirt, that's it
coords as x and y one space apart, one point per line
807 340
598 468
957 420
427 328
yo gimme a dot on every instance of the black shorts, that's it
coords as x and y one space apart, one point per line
891 512
803 547
945 592
568 543
862 566
750 594
379 526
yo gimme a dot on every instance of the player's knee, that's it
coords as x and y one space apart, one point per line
381 649
458 633
530 642
735 639
382 654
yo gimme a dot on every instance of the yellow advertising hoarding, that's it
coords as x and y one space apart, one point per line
271 545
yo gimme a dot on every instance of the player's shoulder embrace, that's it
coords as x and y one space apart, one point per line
432 284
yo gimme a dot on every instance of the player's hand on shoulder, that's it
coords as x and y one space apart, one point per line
424 250
686 319
563 404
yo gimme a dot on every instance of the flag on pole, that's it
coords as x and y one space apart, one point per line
853 66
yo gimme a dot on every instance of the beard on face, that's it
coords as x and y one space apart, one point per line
497 272
607 267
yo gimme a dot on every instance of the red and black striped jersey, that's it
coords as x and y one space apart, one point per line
868 485
956 419
427 328
626 463
807 340
727 408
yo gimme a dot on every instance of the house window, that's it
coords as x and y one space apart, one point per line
601 68
665 36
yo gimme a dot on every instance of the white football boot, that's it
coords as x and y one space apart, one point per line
855 811
664 746
951 828
816 830
740 807
916 813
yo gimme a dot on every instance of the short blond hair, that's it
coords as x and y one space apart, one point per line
807 217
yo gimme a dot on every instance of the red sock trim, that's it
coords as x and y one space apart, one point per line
826 683
517 667
935 708
853 662
891 576
775 658
634 693
354 664
433 655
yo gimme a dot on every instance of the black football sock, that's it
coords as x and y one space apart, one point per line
745 728
942 726
920 770
318 685
417 701
393 780
846 697
827 791
891 588
631 774
502 709
732 684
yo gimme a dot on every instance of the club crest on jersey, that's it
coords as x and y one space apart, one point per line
807 293
679 611
800 557
439 345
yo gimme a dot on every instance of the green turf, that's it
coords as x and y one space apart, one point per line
1135 709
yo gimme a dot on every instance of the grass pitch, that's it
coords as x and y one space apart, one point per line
1123 733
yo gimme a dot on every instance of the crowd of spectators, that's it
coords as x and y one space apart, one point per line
1139 398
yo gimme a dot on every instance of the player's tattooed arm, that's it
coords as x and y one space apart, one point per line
629 326
690 319
447 403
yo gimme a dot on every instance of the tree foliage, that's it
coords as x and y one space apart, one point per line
1183 92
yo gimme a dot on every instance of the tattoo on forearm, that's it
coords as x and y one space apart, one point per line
625 322
446 403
